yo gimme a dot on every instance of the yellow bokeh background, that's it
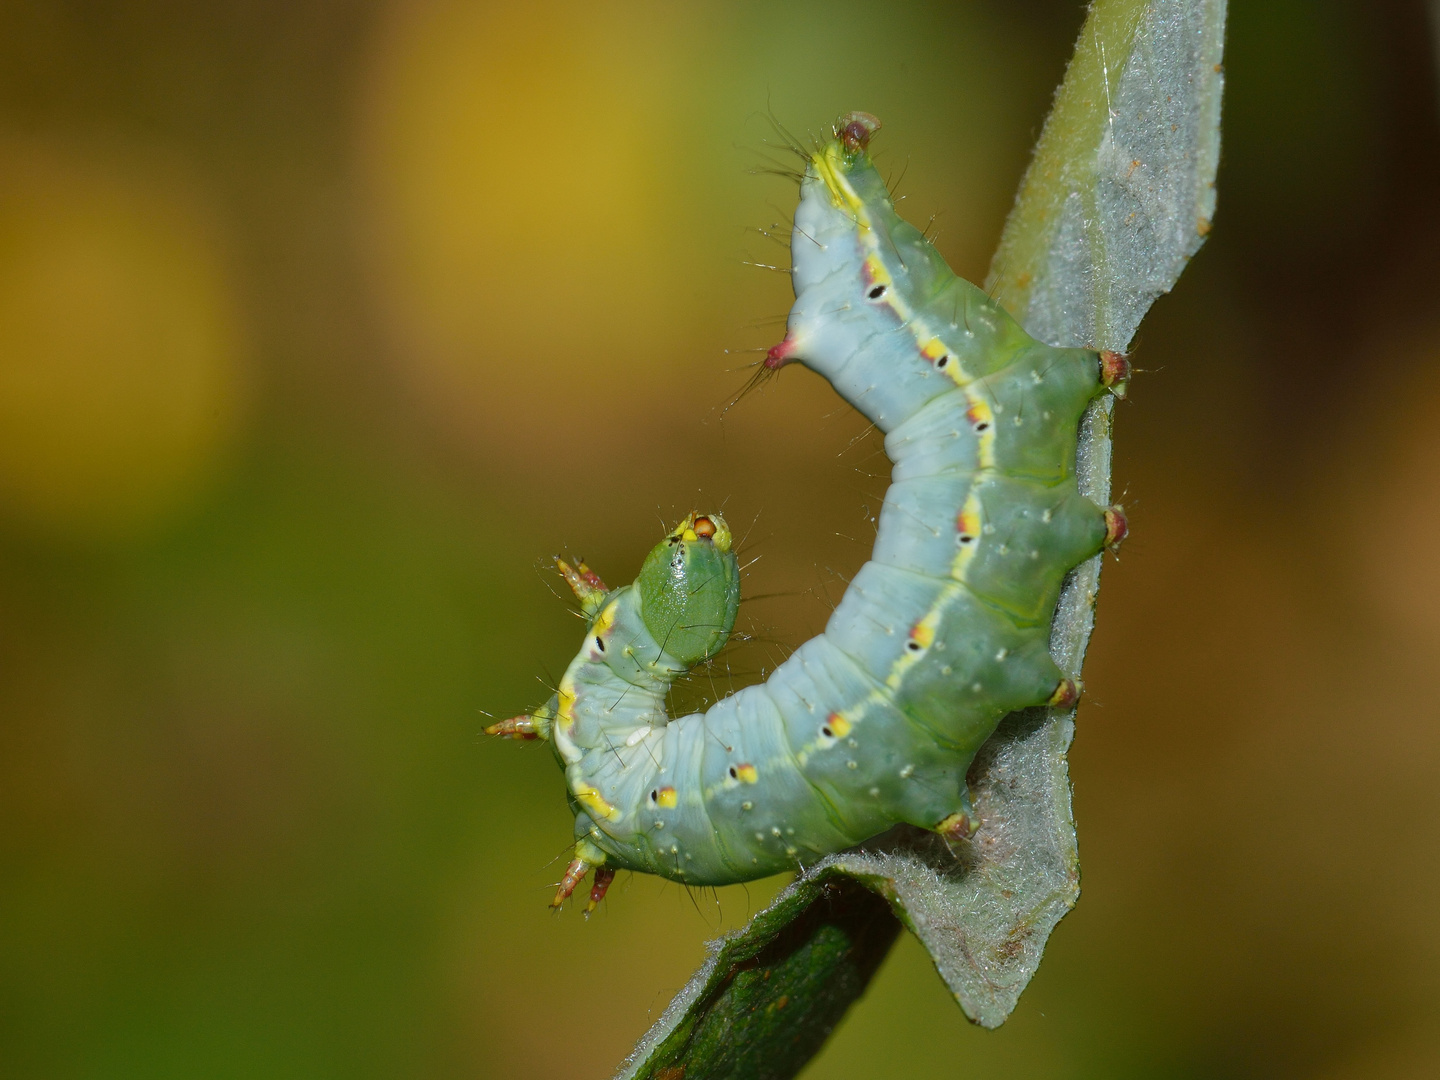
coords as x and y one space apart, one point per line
552 212
322 327
120 344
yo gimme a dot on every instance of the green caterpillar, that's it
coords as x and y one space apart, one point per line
940 634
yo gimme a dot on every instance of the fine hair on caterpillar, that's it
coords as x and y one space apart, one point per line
875 721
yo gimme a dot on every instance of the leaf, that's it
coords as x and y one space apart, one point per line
1121 191
1117 199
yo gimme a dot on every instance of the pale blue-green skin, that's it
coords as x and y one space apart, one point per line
912 733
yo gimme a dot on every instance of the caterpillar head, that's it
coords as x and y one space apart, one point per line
690 589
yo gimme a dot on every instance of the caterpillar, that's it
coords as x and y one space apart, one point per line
941 633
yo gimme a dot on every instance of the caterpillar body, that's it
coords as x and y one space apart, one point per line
942 633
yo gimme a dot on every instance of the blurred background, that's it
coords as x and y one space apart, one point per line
324 325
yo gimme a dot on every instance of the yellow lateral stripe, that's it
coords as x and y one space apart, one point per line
843 195
565 704
876 270
593 801
922 632
968 522
978 413
605 620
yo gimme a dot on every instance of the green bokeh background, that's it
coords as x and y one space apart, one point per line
487 269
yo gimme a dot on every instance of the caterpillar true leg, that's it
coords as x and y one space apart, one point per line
942 633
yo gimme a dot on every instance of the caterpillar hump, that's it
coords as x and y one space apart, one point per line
941 634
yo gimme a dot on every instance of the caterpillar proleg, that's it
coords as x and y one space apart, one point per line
941 634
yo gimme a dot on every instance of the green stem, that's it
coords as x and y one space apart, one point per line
777 989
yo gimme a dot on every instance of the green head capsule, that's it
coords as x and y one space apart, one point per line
690 589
